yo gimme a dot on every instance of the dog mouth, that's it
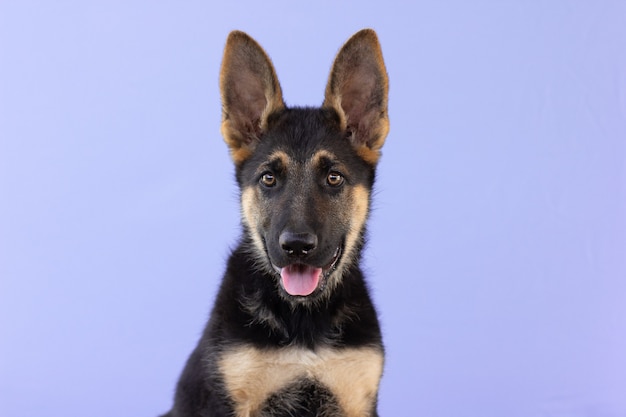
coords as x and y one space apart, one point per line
301 280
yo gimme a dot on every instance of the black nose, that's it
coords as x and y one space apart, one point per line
297 244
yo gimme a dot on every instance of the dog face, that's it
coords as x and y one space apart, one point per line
305 173
300 172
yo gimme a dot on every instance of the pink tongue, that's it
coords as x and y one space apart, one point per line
300 279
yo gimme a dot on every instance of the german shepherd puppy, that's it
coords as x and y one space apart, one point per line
293 331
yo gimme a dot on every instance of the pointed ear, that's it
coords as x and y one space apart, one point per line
357 89
250 93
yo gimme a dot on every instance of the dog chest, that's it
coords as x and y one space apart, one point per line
351 375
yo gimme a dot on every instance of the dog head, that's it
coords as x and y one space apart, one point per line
305 173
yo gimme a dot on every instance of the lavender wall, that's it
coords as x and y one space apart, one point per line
497 252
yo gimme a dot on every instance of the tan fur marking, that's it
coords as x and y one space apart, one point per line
352 375
252 375
369 155
238 155
359 210
282 156
250 215
321 154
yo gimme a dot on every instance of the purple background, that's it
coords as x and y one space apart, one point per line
497 252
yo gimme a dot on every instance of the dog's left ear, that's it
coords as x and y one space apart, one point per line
357 89
250 93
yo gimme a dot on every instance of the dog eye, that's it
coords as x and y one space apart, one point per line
334 179
268 179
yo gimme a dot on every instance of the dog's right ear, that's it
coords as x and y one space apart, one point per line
250 93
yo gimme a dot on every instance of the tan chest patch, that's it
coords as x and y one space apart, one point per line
251 375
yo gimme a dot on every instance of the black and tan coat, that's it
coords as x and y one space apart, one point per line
293 331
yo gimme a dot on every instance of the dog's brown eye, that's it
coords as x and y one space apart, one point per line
268 179
334 179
